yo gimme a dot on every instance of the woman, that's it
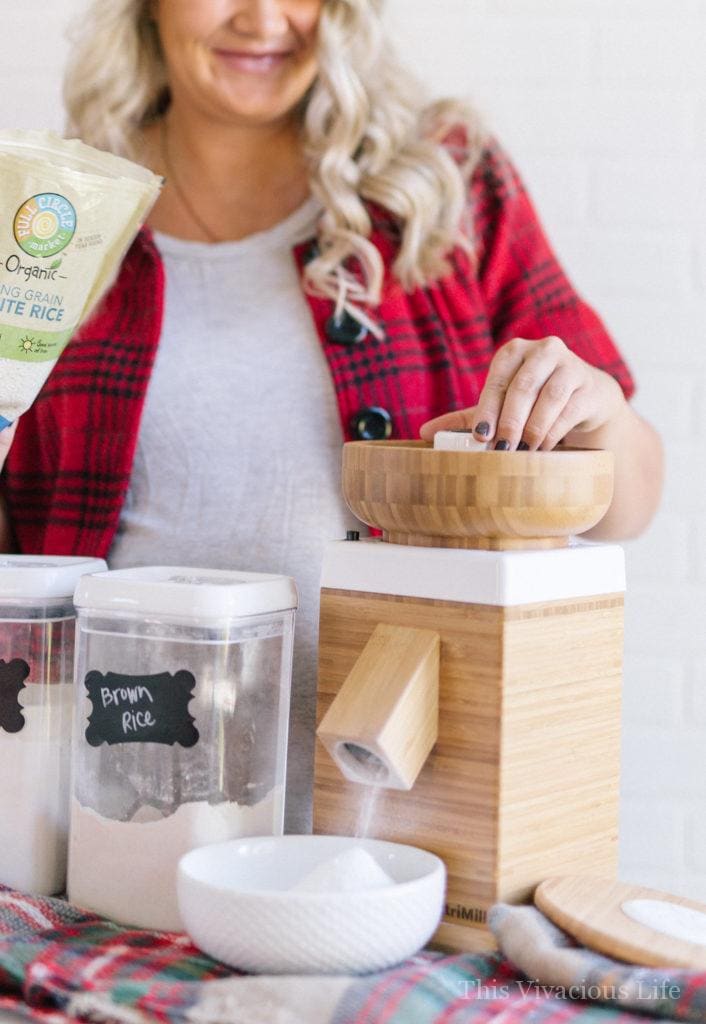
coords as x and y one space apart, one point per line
329 259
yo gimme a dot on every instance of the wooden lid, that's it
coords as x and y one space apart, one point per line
612 917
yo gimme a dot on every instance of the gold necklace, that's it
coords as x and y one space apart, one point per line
183 198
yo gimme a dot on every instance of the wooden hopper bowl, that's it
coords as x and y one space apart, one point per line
491 500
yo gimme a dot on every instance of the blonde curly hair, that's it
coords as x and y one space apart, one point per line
368 134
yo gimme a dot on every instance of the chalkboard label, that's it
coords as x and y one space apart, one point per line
141 709
12 680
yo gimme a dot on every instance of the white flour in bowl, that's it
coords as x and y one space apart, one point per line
126 870
351 871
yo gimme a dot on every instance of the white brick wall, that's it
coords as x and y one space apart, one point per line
603 105
32 53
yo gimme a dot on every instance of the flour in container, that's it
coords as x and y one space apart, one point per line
146 895
35 763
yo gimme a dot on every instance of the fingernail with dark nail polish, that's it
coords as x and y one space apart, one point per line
502 446
523 446
482 428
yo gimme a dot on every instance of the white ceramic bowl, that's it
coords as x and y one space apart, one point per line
237 903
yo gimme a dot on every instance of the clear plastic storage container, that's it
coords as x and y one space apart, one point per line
36 689
183 685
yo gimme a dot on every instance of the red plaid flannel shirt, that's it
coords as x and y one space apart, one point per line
69 468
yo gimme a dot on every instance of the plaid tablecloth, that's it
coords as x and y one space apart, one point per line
59 964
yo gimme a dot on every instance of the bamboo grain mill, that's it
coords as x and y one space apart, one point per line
470 667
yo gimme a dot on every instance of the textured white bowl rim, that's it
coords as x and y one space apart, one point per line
293 895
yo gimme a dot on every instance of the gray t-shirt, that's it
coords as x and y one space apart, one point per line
239 451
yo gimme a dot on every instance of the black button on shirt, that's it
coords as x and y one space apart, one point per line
372 424
345 330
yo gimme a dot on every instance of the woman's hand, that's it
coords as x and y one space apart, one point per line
6 438
535 395
538 393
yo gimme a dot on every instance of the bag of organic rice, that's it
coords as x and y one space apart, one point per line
68 214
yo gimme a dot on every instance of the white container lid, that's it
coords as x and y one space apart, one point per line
37 577
186 593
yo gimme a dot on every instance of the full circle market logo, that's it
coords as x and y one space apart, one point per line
44 224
